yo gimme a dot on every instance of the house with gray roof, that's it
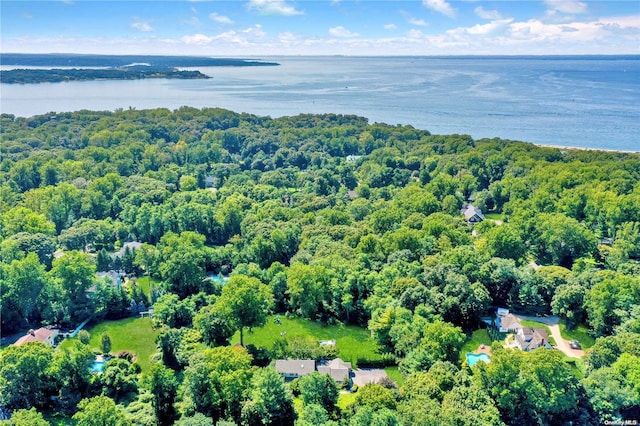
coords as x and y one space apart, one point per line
295 368
529 338
339 370
472 214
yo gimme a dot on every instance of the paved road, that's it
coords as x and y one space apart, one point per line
562 345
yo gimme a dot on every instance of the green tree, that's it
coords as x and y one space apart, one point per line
100 410
74 273
270 403
568 303
29 417
469 406
25 381
105 343
561 240
71 370
163 386
119 378
320 389
608 301
214 325
21 283
183 262
246 301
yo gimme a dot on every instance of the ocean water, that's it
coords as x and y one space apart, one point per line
590 102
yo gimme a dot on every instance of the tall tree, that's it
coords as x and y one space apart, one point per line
270 402
247 302
100 410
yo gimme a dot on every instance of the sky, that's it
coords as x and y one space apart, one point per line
244 28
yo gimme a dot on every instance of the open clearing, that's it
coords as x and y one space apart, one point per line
130 334
353 342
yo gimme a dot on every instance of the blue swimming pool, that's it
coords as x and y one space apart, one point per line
97 366
472 359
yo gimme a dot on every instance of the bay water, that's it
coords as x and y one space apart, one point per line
587 102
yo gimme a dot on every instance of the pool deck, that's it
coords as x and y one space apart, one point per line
483 349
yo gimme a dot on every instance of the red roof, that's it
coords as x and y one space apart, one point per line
39 335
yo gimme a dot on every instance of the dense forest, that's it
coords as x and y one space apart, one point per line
321 217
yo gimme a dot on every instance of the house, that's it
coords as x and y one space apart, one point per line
472 214
294 368
506 322
43 335
210 182
353 158
131 245
339 370
530 338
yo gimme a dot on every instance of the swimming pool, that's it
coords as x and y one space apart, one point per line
472 359
97 367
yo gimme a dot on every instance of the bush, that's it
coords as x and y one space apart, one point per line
128 355
84 337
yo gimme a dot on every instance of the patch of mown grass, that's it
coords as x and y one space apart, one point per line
394 374
493 216
145 284
475 339
353 342
130 334
579 333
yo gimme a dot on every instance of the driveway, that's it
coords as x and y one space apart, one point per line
552 322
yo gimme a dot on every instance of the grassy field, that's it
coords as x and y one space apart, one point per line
395 375
353 342
145 282
131 334
580 333
475 339
493 216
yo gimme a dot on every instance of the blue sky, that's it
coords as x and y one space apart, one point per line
286 27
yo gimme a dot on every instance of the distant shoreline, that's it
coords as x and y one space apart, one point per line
584 148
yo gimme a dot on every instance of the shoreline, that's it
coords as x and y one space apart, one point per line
583 148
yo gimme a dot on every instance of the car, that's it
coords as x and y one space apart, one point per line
574 344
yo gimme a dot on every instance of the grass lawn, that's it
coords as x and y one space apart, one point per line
394 374
536 324
493 216
145 282
475 339
353 342
579 333
131 334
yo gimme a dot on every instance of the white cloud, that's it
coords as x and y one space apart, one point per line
341 32
566 6
143 26
197 39
490 28
418 22
273 7
487 14
414 33
221 19
390 27
256 31
440 6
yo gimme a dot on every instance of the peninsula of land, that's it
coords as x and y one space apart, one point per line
55 68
